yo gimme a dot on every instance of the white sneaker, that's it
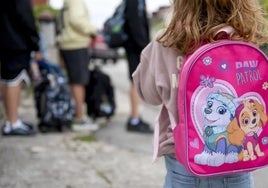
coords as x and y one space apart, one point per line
84 125
18 128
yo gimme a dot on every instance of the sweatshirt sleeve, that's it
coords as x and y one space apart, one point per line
79 17
144 76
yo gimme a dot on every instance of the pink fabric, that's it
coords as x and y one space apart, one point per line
235 72
156 82
213 82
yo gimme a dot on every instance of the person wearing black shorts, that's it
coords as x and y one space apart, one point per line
19 38
73 41
137 29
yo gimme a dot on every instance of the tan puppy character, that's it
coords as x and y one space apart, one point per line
246 127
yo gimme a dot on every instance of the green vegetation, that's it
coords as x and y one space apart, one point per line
264 3
85 138
156 26
264 48
102 175
39 9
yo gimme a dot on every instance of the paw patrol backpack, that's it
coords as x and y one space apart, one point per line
222 106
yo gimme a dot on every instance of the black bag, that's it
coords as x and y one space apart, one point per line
54 104
113 30
100 95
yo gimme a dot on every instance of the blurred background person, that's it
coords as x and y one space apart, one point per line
137 29
73 40
19 41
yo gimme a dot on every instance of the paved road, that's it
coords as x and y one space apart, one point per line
115 159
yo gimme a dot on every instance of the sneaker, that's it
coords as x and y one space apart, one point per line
84 125
19 128
140 126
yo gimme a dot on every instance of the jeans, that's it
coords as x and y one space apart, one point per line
178 177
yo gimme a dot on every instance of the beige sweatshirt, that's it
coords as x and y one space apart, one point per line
77 28
156 79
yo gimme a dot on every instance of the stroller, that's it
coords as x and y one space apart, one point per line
100 97
54 104
98 49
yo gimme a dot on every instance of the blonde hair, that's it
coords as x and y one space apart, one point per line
193 21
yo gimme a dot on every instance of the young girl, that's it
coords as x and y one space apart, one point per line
192 23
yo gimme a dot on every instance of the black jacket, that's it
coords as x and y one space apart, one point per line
17 26
137 25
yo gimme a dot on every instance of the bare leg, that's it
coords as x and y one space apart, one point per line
78 92
81 123
134 99
11 99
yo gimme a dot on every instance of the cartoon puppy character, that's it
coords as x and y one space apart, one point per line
217 114
247 126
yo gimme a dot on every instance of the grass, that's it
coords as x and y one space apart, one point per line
85 138
103 176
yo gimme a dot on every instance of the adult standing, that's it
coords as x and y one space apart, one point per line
73 41
137 29
19 39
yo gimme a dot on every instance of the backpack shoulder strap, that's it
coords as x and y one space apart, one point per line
224 33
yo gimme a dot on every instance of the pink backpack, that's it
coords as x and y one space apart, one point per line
222 106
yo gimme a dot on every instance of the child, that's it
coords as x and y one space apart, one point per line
192 23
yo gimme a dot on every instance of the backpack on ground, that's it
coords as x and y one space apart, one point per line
100 95
113 29
53 100
222 105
